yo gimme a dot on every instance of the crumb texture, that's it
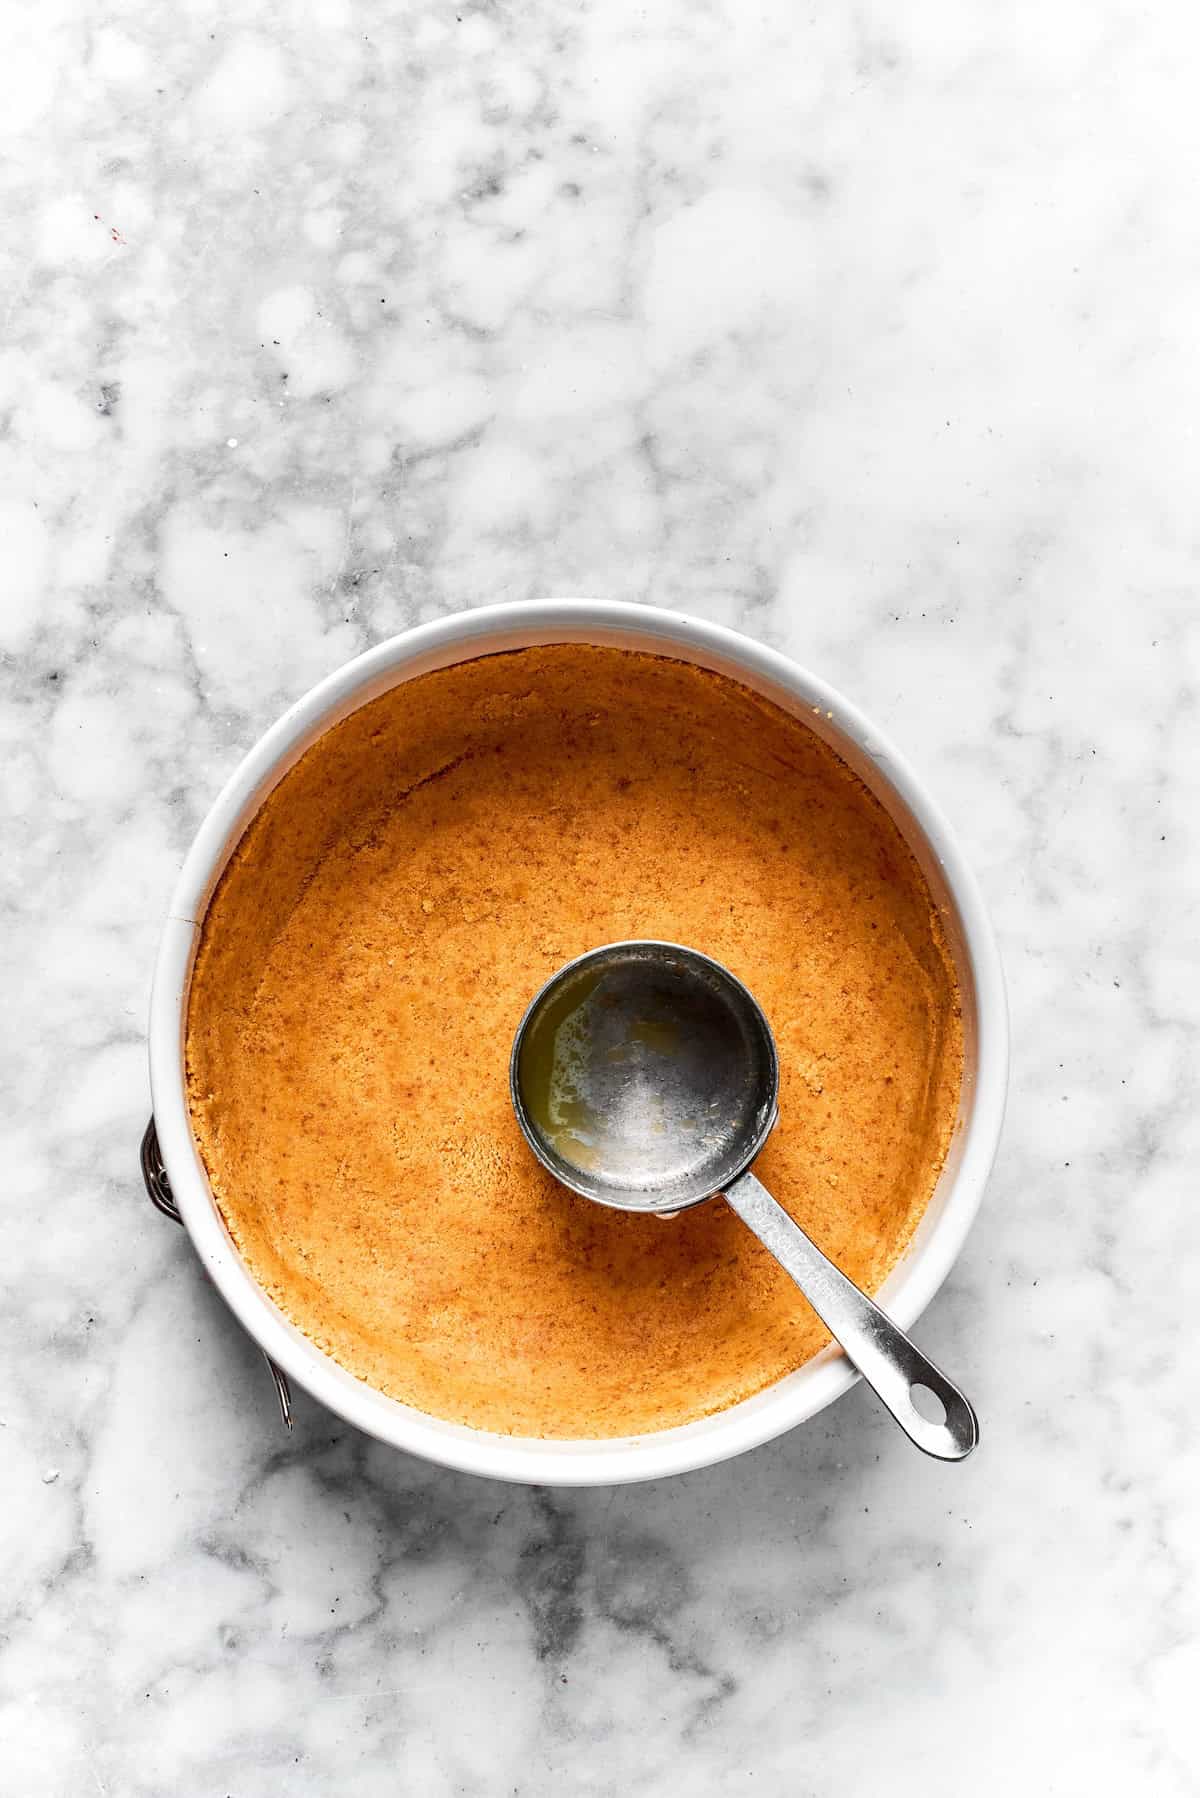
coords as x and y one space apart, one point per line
369 952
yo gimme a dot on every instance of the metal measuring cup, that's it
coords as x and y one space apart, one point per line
645 1077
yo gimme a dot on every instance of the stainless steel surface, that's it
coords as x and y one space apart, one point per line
283 1391
644 1076
154 1173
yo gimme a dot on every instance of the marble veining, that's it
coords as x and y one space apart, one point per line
870 332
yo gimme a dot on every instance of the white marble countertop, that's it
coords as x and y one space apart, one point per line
871 333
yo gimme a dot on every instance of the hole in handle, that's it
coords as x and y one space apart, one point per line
927 1403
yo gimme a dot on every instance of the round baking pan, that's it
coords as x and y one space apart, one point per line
179 1180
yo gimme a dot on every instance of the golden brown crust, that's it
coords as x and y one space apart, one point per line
371 947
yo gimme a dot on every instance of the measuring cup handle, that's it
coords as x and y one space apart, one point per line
888 1361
